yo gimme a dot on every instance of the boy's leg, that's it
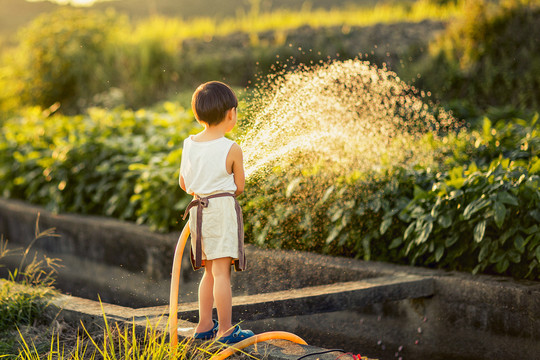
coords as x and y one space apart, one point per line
206 299
221 271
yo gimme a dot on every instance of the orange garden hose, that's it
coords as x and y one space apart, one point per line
175 282
173 309
259 338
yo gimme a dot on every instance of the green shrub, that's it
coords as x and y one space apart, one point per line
63 58
477 212
77 59
480 199
120 163
479 219
488 57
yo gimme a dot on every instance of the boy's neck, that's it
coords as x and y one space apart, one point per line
210 133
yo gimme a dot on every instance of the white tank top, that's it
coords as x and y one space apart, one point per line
204 166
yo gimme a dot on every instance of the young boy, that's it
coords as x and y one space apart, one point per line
212 170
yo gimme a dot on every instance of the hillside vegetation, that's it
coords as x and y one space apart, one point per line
18 13
80 58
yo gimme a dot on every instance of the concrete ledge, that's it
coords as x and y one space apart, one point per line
323 299
126 251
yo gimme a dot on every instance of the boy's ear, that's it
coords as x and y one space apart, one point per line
230 113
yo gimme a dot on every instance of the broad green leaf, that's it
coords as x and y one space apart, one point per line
507 198
500 213
486 129
424 234
537 253
531 230
375 204
456 183
445 220
333 234
420 193
417 212
435 209
472 168
409 230
519 243
385 225
451 240
455 194
336 215
502 265
479 231
535 166
514 256
395 243
484 251
409 248
474 207
532 266
292 186
456 172
439 253
327 194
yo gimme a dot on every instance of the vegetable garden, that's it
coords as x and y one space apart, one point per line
476 210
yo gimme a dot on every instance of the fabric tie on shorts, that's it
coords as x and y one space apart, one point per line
202 202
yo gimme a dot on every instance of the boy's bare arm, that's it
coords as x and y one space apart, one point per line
237 159
183 184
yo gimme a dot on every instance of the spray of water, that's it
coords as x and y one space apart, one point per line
342 115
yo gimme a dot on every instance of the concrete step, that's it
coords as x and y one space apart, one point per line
323 298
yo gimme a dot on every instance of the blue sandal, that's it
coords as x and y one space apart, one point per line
236 336
207 335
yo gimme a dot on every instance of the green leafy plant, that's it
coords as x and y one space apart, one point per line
479 219
384 214
122 163
475 211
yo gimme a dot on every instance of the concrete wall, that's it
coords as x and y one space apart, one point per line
468 317
131 265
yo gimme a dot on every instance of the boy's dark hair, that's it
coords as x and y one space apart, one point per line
211 101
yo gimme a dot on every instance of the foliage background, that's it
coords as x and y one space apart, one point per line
72 139
78 58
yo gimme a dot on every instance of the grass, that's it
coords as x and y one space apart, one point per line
114 342
281 20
